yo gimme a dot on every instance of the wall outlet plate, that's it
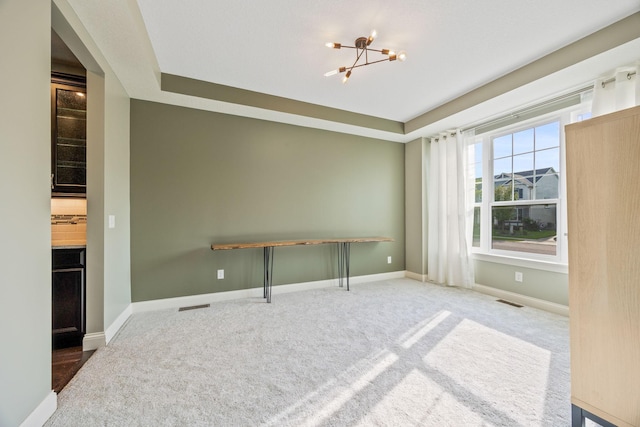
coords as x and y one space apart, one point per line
518 276
388 260
220 274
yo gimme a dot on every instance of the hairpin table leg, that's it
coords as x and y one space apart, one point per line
267 280
347 255
340 264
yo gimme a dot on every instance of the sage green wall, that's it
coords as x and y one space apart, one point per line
199 178
25 226
545 285
416 207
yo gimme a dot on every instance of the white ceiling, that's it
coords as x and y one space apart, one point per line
277 48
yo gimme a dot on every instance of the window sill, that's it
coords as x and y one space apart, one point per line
554 267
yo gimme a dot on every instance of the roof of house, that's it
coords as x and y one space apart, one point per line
530 176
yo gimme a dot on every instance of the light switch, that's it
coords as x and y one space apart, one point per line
112 221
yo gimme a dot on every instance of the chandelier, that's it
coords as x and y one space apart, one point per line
362 48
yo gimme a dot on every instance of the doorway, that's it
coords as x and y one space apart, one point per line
68 212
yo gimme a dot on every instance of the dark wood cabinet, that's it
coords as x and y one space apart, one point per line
68 135
68 297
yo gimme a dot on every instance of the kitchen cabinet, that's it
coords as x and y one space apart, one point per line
68 135
68 297
604 296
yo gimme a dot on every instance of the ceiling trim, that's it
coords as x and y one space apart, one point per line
599 42
218 92
614 35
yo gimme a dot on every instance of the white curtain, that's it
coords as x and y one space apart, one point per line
617 91
450 197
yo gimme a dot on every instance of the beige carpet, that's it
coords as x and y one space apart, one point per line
391 353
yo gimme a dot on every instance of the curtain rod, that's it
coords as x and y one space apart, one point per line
534 107
530 108
613 79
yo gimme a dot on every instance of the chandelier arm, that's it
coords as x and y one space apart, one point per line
375 62
368 48
356 61
366 63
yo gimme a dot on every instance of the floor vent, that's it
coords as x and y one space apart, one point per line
509 302
193 307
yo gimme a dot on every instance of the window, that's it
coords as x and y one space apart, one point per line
519 184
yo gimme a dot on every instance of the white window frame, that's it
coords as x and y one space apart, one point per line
485 252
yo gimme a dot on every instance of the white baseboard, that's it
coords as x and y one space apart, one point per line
297 287
416 276
93 341
43 411
523 299
376 277
191 300
113 329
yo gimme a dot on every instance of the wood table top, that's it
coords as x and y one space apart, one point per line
227 246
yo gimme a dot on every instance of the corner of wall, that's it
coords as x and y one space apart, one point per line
42 412
117 324
416 276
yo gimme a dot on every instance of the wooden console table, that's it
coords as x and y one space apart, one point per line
344 249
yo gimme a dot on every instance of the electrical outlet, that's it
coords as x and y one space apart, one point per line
388 260
518 276
220 274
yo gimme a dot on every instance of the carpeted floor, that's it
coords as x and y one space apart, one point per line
390 353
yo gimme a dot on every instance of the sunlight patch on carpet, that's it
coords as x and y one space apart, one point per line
422 329
351 390
510 374
418 401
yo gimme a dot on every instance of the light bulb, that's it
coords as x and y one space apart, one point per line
371 37
333 45
334 72
346 76
402 55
